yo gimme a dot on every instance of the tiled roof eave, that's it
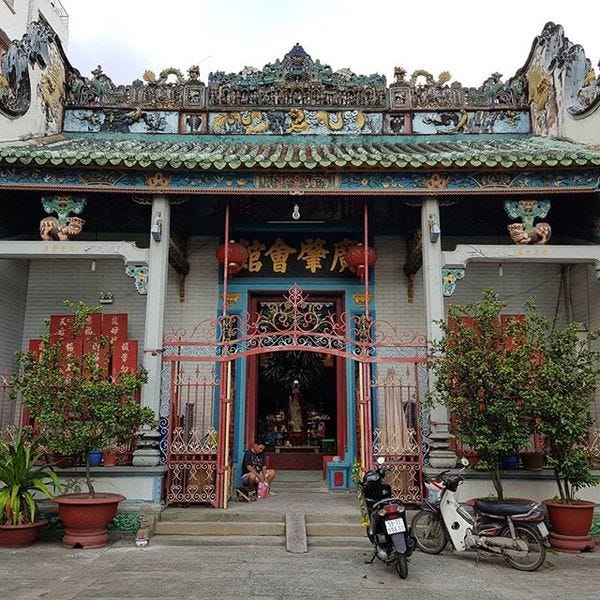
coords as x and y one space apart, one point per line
455 154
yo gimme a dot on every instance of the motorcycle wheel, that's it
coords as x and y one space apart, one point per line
402 565
428 530
525 560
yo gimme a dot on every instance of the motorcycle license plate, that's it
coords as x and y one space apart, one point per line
542 529
395 526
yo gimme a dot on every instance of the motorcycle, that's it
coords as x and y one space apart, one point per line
387 529
515 530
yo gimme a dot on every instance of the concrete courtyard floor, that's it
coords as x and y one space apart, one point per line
47 570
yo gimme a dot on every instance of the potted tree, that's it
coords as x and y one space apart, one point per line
78 407
564 380
20 477
481 370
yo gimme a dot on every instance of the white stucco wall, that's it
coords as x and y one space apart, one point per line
52 282
15 15
201 287
13 283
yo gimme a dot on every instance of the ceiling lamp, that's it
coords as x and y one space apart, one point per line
237 256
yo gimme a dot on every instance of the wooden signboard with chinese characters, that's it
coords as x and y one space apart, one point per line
296 256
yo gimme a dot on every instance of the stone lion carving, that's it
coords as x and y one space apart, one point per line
50 229
540 234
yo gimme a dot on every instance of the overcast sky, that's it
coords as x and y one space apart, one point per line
469 38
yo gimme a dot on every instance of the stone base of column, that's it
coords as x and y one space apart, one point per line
440 455
442 459
147 453
146 457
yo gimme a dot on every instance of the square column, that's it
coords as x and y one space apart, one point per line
440 456
158 267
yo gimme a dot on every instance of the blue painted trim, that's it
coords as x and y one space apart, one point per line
355 181
245 287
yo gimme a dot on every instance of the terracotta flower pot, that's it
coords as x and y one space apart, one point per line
571 524
109 459
533 461
86 518
18 536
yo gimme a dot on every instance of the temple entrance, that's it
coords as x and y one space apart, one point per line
296 399
297 408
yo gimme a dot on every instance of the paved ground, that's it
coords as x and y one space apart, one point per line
48 571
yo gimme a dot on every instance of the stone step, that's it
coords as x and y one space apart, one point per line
347 518
334 530
195 515
300 476
299 486
221 528
217 540
331 541
259 541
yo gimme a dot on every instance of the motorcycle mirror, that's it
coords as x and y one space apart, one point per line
464 462
380 460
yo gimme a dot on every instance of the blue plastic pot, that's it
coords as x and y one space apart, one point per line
95 458
510 461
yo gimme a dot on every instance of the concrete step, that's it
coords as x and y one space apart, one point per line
360 543
221 528
347 518
299 486
193 515
334 530
217 540
299 476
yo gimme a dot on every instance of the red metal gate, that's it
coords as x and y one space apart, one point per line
398 436
202 387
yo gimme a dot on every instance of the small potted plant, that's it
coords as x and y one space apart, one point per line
78 407
20 477
564 380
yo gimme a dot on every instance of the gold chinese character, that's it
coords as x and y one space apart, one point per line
339 255
313 252
279 253
253 264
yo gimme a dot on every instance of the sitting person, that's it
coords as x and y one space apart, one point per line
254 468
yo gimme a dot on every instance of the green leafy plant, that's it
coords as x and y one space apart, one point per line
76 404
21 477
564 378
281 369
481 375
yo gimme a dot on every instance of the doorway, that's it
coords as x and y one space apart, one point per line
296 399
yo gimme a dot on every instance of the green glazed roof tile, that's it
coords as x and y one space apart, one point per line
283 152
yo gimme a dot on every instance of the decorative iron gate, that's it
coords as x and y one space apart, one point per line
199 373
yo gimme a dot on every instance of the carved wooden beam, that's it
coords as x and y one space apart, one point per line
414 259
178 250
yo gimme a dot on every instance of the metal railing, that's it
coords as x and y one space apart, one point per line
9 407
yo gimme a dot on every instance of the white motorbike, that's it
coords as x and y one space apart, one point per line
515 530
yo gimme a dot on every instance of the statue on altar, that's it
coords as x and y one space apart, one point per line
295 409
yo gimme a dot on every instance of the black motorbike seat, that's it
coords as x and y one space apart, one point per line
503 508
385 501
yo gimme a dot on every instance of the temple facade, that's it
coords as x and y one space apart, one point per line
283 242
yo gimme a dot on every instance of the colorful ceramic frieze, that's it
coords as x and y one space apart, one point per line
119 120
463 121
192 122
514 182
296 120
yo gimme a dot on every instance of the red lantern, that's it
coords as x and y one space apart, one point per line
355 257
237 256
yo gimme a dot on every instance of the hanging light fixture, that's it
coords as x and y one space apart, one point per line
237 255
355 257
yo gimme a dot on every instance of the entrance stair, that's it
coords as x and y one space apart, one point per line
330 518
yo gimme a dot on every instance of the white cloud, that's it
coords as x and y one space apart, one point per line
471 39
